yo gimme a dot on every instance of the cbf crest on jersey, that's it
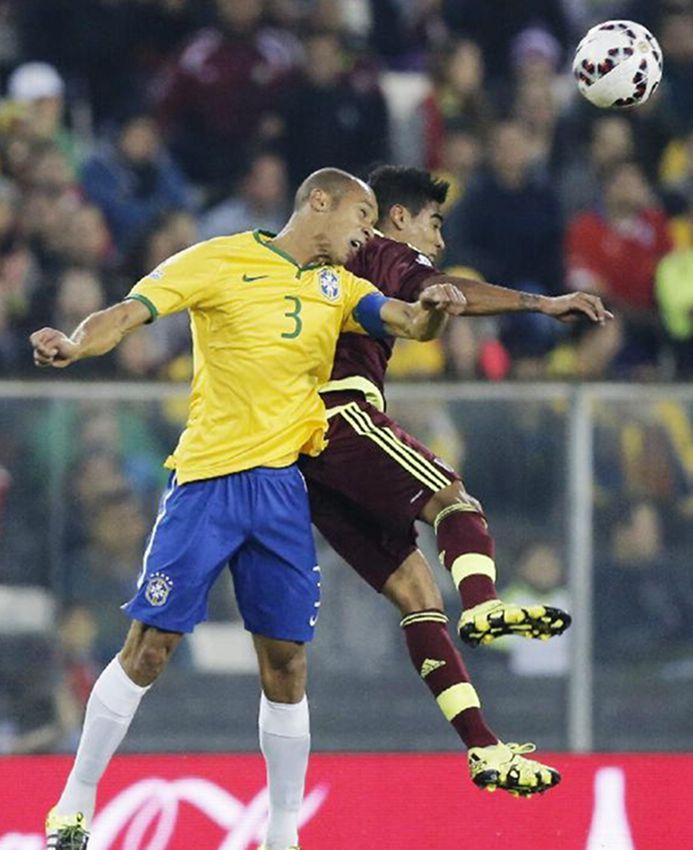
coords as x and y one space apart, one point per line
158 589
329 284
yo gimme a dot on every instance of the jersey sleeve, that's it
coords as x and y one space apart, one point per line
356 289
181 282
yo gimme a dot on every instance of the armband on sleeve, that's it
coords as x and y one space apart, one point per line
367 314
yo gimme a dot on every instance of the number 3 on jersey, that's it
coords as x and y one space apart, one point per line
295 316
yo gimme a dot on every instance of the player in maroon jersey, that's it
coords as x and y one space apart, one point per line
374 480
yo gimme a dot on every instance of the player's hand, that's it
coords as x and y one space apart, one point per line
52 348
443 298
576 305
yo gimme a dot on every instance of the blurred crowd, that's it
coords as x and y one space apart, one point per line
130 129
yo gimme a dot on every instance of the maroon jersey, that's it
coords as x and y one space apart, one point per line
399 271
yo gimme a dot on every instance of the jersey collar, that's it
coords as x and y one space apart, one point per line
261 236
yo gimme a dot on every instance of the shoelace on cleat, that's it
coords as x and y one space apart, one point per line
68 838
521 749
537 769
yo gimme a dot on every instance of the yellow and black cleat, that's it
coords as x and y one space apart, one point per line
66 832
490 620
504 766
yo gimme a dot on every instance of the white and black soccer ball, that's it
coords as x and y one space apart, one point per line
618 64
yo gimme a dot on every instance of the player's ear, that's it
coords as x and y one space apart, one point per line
319 200
398 216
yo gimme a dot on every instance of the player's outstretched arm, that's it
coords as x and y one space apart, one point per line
96 335
487 299
426 318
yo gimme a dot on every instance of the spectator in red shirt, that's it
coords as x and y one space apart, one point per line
614 250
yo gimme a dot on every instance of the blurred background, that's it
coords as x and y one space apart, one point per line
130 129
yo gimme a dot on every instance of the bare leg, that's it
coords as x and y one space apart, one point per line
146 652
283 669
412 587
284 734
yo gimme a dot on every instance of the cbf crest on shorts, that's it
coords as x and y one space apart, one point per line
158 589
329 284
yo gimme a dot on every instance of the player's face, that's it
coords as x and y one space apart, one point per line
424 232
351 224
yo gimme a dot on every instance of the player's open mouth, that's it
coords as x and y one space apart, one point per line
355 244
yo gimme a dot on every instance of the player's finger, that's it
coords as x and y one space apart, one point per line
37 335
48 350
599 308
41 359
586 307
434 298
455 308
46 341
429 301
458 298
454 301
44 335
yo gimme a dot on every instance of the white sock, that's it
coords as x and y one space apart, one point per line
112 705
285 744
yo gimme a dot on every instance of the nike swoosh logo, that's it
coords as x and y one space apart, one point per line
250 278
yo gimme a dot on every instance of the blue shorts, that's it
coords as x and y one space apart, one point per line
258 523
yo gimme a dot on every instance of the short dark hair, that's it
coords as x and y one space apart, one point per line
413 188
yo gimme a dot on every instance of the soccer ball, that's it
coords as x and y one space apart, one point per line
618 64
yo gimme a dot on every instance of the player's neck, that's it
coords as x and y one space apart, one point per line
391 233
300 242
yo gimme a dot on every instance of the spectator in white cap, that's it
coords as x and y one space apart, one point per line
35 81
38 90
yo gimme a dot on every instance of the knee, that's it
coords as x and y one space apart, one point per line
145 657
151 660
289 665
283 675
454 494
410 596
412 587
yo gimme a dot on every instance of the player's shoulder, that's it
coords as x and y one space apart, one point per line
404 251
233 245
382 251
382 244
248 237
201 255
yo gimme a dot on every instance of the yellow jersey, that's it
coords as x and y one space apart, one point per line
264 332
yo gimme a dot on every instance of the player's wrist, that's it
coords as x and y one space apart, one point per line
73 349
533 303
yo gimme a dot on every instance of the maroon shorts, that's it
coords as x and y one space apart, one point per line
369 485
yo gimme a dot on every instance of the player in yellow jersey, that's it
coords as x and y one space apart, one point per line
266 313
